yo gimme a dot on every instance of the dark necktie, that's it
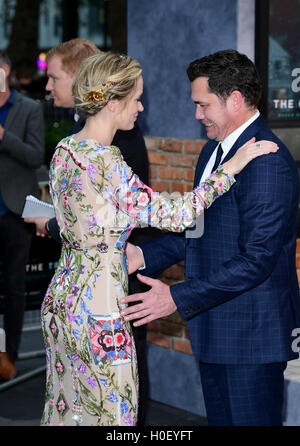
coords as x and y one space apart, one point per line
218 158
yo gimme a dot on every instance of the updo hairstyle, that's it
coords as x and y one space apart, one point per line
103 77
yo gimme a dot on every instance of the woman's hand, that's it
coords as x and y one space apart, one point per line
247 153
135 258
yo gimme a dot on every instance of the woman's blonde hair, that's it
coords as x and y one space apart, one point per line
103 77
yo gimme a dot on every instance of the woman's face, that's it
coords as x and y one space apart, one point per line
131 106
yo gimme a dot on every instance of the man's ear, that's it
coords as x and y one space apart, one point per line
236 100
6 69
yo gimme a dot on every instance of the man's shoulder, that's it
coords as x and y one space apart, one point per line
20 98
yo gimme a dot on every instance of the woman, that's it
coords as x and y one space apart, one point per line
92 374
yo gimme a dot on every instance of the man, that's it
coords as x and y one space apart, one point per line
62 64
240 295
21 153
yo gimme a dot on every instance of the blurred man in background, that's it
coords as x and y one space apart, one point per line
21 153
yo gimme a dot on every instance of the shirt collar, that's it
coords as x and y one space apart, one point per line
232 138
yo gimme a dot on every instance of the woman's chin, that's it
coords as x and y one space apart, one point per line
128 127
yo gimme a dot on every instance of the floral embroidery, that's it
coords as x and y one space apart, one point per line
109 339
91 359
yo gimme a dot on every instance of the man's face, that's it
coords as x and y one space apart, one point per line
59 84
214 114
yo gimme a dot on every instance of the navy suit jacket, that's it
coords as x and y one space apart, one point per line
240 295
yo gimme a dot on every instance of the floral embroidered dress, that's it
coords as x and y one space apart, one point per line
91 360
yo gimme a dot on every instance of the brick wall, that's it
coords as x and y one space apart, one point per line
172 166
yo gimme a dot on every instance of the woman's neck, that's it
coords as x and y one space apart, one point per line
99 128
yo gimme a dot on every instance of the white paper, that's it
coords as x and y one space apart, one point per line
37 208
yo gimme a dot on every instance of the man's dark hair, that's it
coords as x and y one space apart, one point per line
227 71
4 59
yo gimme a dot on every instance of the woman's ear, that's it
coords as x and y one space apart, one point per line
114 105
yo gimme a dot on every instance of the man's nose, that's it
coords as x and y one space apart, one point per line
199 114
48 86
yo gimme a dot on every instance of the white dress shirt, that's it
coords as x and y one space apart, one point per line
227 143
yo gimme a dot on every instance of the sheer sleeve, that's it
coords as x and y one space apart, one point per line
112 177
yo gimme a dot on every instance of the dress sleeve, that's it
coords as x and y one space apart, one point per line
112 177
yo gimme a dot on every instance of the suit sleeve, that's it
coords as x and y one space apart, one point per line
28 151
265 195
162 252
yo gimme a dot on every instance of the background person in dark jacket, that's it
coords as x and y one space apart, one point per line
21 153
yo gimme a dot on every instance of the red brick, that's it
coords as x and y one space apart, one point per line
186 333
170 329
160 186
154 326
298 261
168 282
176 159
171 145
181 187
153 172
174 273
192 146
162 341
157 158
178 319
189 174
171 173
151 143
182 345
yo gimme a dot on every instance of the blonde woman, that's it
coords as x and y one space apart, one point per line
92 374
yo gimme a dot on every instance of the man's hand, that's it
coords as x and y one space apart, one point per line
155 303
135 258
40 224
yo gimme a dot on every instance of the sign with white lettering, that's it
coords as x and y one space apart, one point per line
40 268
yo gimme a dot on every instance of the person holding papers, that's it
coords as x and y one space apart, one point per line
21 153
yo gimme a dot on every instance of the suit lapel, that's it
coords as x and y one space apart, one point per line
250 131
13 111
